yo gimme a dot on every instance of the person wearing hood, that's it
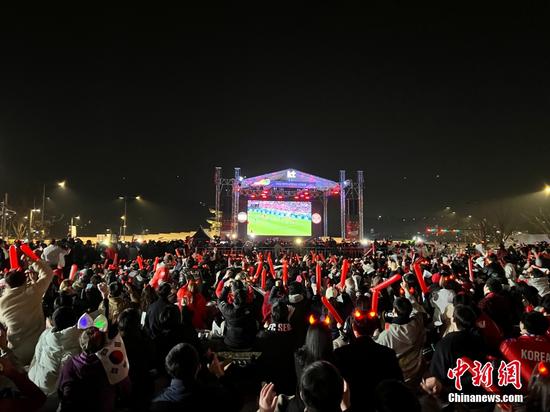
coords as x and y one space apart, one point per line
299 308
406 334
55 346
277 344
115 302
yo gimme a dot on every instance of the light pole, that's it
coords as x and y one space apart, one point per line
73 227
124 217
30 221
62 185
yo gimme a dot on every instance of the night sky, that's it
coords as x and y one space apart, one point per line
149 103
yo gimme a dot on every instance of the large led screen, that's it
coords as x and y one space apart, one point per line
279 218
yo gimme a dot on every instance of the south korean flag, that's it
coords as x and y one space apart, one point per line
114 360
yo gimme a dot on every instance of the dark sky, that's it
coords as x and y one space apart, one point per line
149 103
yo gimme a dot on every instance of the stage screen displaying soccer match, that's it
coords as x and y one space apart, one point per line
279 218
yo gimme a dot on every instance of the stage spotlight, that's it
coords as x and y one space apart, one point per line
316 218
233 236
298 241
242 217
365 242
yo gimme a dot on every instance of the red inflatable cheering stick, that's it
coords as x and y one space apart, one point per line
270 263
332 310
264 278
345 269
26 249
285 271
420 276
74 269
471 268
318 280
379 287
14 260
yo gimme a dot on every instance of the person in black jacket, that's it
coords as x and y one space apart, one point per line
364 363
239 318
141 356
465 342
172 330
152 318
276 342
189 393
299 312
494 269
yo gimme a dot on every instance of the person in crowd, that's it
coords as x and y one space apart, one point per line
510 271
277 343
83 383
406 335
152 318
186 392
531 347
537 278
493 269
239 317
115 302
141 356
190 296
442 296
322 389
54 347
21 309
466 341
17 392
498 305
299 309
538 398
365 363
54 254
173 329
318 346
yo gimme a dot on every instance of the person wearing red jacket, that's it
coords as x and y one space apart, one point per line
190 297
532 347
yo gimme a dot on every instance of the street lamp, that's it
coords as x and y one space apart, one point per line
73 226
61 185
31 213
124 217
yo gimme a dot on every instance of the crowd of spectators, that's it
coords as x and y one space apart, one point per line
195 325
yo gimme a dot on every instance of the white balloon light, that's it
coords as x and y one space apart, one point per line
242 217
316 218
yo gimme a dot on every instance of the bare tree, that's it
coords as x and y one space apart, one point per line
19 229
540 222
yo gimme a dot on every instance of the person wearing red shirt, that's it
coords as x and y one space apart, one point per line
532 347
